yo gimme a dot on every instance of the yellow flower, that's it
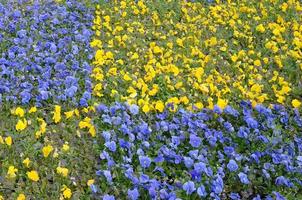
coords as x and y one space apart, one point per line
21 197
296 103
1 140
57 114
134 56
157 50
221 103
11 173
257 63
32 109
123 4
19 111
234 58
159 106
184 100
90 182
85 123
107 18
127 77
179 42
26 162
92 131
170 45
21 125
66 192
55 153
47 150
63 171
9 140
146 108
213 41
260 28
198 105
69 114
65 147
33 175
76 112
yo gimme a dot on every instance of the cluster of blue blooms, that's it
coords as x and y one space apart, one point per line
46 52
249 153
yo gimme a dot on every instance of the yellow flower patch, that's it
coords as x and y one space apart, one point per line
200 54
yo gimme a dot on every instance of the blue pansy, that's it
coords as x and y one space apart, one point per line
133 194
93 188
195 141
134 109
232 165
145 161
282 181
108 176
189 187
200 167
111 145
217 185
108 197
234 196
251 122
243 178
279 196
188 162
228 126
201 191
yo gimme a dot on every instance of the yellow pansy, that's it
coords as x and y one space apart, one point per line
19 112
198 105
26 162
21 125
32 109
57 114
11 172
296 103
65 147
66 192
260 28
92 131
69 114
62 171
33 175
90 182
46 150
146 108
8 140
221 103
21 197
159 105
257 63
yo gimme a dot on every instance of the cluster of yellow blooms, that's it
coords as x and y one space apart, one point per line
192 55
50 149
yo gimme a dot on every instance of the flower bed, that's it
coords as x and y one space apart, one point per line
150 99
